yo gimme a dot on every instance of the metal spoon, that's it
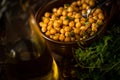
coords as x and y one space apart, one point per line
95 6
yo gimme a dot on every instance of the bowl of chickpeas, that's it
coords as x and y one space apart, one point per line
62 25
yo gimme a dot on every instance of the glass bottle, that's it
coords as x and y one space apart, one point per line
28 57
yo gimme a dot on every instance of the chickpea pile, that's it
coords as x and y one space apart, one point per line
67 24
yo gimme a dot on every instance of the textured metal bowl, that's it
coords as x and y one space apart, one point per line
58 47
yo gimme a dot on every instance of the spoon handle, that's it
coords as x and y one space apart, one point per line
100 3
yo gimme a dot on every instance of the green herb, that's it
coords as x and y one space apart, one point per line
101 60
68 18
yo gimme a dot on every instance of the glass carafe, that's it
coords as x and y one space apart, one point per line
27 56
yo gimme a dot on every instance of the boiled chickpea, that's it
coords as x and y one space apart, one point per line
76 30
70 9
64 13
67 34
94 27
47 14
46 20
98 10
74 4
41 24
65 22
53 17
76 20
67 28
67 39
71 23
47 33
61 37
56 24
78 15
57 29
60 21
56 37
83 11
53 31
62 31
84 6
43 29
79 3
101 16
63 17
91 20
95 17
69 14
51 22
91 2
83 28
59 11
49 27
54 10
78 24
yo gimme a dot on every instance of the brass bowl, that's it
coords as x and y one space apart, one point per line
64 48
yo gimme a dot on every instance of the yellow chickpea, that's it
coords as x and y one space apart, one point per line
91 20
83 11
65 22
98 10
43 29
79 3
83 28
60 21
57 29
53 31
46 20
59 11
78 15
54 10
67 28
51 22
78 24
74 4
76 30
47 14
64 13
67 39
76 20
95 17
70 9
41 24
61 37
101 16
94 27
67 34
82 22
49 27
47 33
53 17
69 14
71 23
56 37
62 31
56 24
63 17
84 6
91 2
